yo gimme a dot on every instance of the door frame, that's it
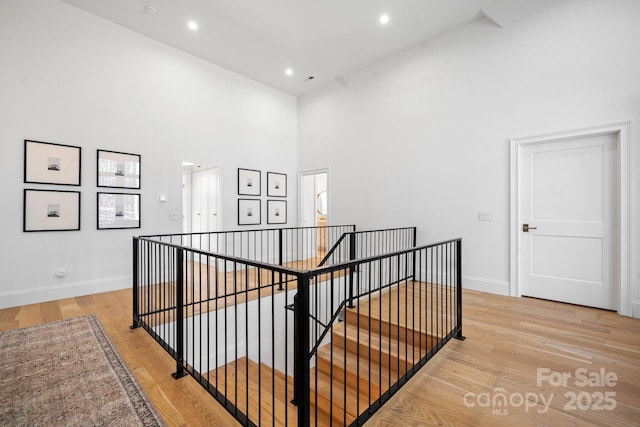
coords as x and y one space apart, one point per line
621 131
301 191
190 171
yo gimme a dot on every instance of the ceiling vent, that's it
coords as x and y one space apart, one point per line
150 8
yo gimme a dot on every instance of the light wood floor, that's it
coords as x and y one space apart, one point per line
508 340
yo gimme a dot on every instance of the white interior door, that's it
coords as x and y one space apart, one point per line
204 205
307 200
567 197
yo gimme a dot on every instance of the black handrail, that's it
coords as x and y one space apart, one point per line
332 250
248 230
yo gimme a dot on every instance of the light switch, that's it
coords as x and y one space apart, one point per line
485 216
162 198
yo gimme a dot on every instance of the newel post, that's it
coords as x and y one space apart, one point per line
459 290
301 369
179 344
135 285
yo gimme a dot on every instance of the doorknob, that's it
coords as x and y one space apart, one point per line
526 228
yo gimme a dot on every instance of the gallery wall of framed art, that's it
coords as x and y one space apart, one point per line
249 210
55 164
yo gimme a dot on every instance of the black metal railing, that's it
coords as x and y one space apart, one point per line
223 321
362 244
295 247
369 335
276 345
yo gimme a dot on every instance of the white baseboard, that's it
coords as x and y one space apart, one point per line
67 290
482 284
635 309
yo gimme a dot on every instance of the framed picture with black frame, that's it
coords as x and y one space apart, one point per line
249 211
51 163
51 210
276 184
118 210
249 182
118 170
276 211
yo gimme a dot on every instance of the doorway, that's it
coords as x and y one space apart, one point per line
200 199
314 206
569 218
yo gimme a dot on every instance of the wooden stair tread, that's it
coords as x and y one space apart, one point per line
358 369
422 298
266 396
366 355
333 399
388 353
285 412
397 341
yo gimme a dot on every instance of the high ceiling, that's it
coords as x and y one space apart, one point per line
323 39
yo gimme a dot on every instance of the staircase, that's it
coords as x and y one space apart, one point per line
370 350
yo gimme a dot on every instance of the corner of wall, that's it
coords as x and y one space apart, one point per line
482 284
635 309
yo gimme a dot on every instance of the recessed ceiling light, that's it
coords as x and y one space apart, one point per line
384 19
193 25
288 72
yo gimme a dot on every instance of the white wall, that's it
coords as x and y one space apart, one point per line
423 138
69 77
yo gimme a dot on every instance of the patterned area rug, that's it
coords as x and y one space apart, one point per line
67 373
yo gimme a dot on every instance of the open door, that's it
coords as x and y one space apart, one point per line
314 203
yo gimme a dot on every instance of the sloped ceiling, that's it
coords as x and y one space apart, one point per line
320 40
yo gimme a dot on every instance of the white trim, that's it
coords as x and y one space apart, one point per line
635 308
481 284
68 290
622 130
301 189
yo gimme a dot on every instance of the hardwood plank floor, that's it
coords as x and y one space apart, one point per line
508 340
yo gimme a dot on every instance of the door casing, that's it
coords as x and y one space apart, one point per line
619 130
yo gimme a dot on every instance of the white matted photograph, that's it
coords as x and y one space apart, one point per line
118 170
249 211
51 210
50 163
118 210
276 184
249 182
276 211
